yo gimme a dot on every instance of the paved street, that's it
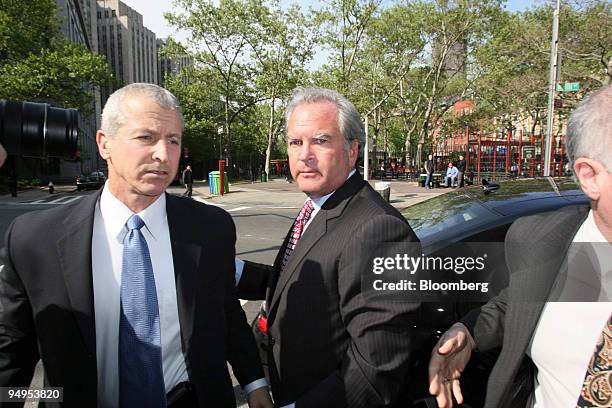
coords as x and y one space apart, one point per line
262 212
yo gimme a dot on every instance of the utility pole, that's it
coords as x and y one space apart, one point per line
554 46
366 152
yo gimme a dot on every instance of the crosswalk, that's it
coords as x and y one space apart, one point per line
232 209
61 200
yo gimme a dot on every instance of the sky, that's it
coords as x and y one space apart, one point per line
153 12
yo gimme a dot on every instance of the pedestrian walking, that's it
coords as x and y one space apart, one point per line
187 178
429 168
461 166
12 183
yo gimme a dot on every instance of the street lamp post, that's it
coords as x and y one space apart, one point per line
554 46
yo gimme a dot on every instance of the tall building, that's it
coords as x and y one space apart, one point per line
130 48
167 66
455 59
78 24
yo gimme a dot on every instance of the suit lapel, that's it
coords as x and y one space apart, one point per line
333 208
186 255
74 251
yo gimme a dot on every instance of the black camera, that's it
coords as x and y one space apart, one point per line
38 129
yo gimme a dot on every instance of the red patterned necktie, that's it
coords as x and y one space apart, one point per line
597 388
298 228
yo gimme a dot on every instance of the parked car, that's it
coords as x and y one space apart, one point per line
476 214
95 180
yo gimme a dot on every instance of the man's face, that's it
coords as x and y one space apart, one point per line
318 159
144 153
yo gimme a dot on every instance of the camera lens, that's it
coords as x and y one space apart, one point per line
38 129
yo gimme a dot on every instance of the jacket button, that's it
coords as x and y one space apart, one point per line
271 340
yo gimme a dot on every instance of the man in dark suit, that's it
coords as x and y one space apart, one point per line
128 296
461 170
331 342
549 320
429 169
187 178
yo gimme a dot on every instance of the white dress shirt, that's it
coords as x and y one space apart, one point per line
107 255
566 334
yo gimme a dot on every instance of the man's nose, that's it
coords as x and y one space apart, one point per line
305 151
160 151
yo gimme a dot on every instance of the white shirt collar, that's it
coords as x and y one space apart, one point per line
589 231
115 214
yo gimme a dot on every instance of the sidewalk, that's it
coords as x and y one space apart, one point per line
275 193
280 193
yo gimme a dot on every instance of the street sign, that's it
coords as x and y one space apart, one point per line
568 87
528 152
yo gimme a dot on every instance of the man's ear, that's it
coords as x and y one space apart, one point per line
354 152
587 172
104 143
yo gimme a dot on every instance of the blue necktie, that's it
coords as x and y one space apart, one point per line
141 379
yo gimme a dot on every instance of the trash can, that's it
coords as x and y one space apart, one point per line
384 189
264 177
213 182
422 178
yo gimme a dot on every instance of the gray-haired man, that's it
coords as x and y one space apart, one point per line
329 345
555 314
113 293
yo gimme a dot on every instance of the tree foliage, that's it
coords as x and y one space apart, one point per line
37 64
403 64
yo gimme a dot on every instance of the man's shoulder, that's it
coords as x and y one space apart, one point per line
544 225
53 221
368 202
195 209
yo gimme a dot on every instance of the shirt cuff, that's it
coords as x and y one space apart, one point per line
255 385
239 267
292 405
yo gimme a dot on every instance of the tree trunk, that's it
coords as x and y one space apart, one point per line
270 135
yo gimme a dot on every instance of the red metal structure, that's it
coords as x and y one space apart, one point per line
221 177
492 156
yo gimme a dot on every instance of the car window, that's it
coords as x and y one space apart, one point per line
443 216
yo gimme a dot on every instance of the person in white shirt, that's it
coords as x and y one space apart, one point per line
555 314
128 296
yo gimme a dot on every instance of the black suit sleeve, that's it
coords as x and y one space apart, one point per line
486 324
242 351
254 281
18 345
375 365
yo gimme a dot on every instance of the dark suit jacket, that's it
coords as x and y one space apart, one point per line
535 248
330 345
46 295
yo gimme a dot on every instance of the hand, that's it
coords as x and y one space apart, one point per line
448 360
3 155
260 398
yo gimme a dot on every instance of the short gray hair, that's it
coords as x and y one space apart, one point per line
112 116
589 130
349 120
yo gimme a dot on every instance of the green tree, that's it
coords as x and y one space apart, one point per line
37 64
218 40
280 48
